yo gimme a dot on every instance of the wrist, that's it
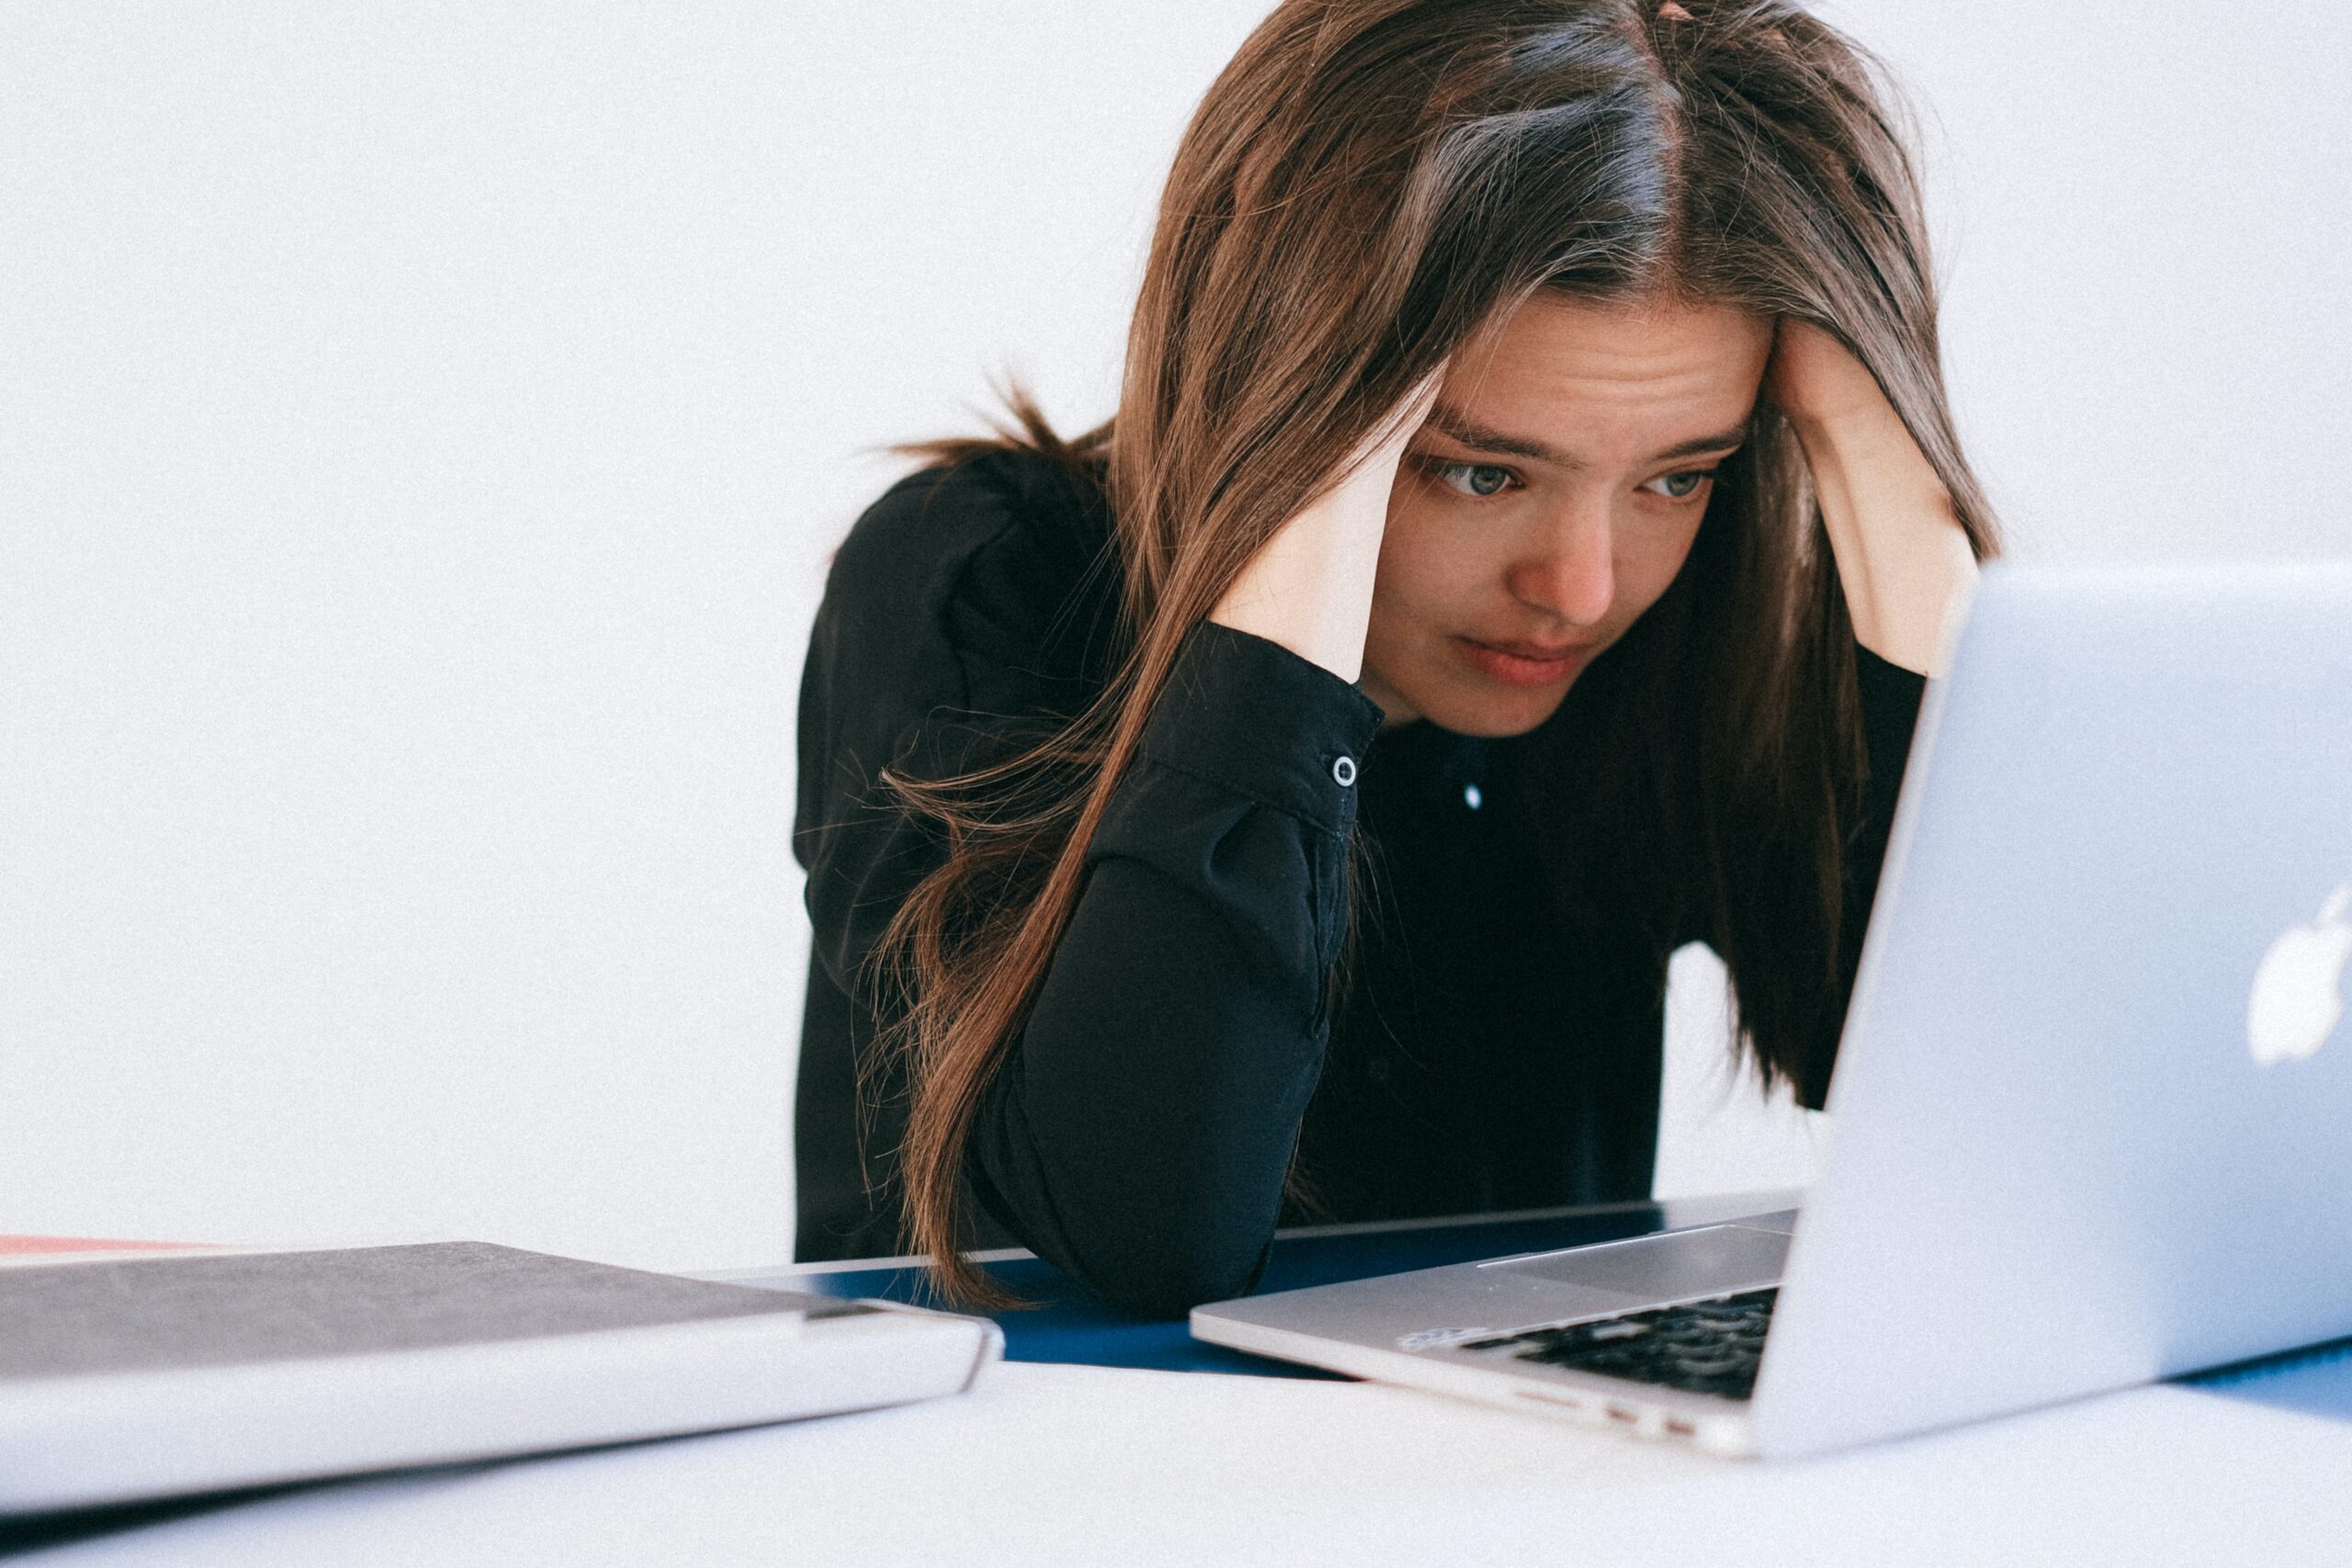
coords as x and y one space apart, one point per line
1841 434
1868 451
1309 587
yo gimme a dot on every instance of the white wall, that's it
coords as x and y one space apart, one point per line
422 429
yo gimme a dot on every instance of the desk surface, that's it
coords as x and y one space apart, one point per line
1102 1460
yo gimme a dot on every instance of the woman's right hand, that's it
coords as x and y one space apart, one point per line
1309 587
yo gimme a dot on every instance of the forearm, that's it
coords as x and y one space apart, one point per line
1902 559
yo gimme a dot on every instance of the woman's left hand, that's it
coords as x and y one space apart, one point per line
1904 560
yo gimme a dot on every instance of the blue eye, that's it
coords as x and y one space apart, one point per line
1476 479
1682 486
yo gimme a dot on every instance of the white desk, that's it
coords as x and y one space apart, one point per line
1058 1464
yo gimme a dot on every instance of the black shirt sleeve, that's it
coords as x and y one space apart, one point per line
1891 697
1138 1132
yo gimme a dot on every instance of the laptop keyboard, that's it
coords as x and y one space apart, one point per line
1710 1346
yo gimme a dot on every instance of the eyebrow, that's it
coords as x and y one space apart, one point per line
1452 421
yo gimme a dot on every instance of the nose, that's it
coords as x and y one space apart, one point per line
1572 571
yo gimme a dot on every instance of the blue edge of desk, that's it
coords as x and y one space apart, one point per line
1066 1323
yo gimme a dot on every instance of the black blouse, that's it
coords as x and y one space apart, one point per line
1483 1050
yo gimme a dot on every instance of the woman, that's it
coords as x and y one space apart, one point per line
1531 509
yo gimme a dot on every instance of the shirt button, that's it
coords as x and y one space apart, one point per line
1343 771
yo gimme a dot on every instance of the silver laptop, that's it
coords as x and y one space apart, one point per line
2093 1107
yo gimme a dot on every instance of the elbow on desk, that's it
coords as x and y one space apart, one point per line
1129 1242
1165 1278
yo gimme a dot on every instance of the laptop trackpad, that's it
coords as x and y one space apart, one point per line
1710 1260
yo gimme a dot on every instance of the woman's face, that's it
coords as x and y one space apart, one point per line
1550 500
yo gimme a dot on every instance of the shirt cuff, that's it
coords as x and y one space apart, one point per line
1252 715
1891 697
1886 685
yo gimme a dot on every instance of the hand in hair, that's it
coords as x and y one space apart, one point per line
1902 559
1309 587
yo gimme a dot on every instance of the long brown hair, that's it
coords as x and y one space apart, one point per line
1366 185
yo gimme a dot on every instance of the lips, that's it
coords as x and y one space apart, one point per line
1538 651
1524 664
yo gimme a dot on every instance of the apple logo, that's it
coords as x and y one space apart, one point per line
2296 1000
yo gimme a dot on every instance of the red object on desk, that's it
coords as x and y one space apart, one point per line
83 1244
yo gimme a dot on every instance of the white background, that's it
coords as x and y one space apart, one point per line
423 428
